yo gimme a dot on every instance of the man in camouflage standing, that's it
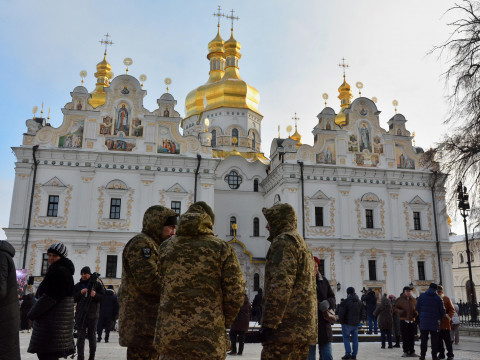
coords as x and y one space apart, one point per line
289 320
202 290
139 293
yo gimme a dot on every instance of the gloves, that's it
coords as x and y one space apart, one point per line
264 334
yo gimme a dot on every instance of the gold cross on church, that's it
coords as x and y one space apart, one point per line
295 118
344 66
218 14
106 42
231 17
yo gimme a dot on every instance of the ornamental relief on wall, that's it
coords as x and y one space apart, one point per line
320 252
119 224
418 234
320 230
33 252
375 232
51 221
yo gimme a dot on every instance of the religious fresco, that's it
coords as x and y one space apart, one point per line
166 144
137 128
74 139
403 161
106 126
352 143
328 154
122 120
377 145
364 137
120 143
366 159
125 91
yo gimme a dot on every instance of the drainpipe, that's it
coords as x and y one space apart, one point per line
303 198
199 159
436 226
27 234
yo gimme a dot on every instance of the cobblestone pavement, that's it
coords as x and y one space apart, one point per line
468 349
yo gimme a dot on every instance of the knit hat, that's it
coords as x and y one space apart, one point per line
86 270
433 286
350 290
392 297
58 249
317 260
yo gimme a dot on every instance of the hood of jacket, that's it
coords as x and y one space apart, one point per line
7 247
431 292
195 221
281 218
109 292
385 301
154 219
66 263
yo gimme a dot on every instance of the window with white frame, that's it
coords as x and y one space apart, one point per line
44 268
319 206
53 205
421 270
418 213
176 206
372 269
256 226
115 207
116 191
318 216
371 205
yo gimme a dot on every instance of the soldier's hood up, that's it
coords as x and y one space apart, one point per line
154 219
7 247
281 218
195 221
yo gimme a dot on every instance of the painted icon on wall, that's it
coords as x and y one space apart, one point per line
120 143
74 139
106 126
377 145
352 143
122 120
327 156
364 133
166 143
137 128
403 161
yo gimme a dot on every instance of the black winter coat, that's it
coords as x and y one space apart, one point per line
52 314
324 292
351 311
371 302
27 303
109 306
9 306
93 311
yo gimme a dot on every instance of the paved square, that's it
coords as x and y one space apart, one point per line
468 349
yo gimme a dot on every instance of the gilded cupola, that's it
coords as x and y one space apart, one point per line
345 96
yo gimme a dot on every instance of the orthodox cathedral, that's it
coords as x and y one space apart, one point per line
364 202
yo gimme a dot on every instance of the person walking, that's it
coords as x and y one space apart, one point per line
201 290
52 314
88 311
455 333
384 314
139 296
289 319
370 299
257 305
9 314
240 327
445 326
350 314
28 300
431 310
325 302
108 313
407 313
395 322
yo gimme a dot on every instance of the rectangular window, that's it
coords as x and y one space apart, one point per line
321 267
111 266
318 216
372 269
416 220
176 206
44 264
53 205
421 270
115 205
369 218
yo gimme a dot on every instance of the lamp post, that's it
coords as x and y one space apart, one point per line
339 286
464 207
234 227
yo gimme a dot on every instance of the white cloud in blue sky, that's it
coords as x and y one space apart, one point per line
290 52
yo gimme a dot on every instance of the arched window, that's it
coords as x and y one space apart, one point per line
461 259
234 134
233 179
255 185
233 220
276 199
254 143
256 282
214 138
256 227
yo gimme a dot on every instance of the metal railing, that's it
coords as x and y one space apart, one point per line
465 312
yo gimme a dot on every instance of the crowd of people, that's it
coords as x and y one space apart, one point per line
180 296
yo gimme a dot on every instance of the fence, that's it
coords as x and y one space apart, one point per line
465 313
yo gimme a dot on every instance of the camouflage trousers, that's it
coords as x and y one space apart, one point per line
284 351
142 353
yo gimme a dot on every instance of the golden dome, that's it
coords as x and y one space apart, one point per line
340 118
345 94
216 45
98 96
227 91
297 137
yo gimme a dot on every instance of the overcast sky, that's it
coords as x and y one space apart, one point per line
290 53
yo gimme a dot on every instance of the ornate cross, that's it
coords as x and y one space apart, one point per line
296 118
231 17
106 42
343 65
218 14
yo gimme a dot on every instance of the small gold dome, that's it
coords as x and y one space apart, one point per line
340 118
297 137
216 45
104 70
345 94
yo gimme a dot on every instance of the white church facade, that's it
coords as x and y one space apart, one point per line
363 200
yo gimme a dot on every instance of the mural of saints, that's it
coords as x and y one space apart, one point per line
121 120
365 143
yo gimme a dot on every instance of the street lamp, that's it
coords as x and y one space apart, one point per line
339 286
464 207
234 227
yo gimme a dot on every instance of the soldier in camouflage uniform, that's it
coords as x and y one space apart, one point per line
202 290
139 293
289 319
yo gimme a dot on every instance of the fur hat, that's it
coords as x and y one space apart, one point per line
58 249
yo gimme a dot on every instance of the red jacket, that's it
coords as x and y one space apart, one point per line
446 323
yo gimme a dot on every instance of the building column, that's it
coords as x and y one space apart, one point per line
394 213
84 196
344 212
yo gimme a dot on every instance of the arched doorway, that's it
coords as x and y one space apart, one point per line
467 289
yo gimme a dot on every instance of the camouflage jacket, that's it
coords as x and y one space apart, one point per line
289 296
202 290
139 293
